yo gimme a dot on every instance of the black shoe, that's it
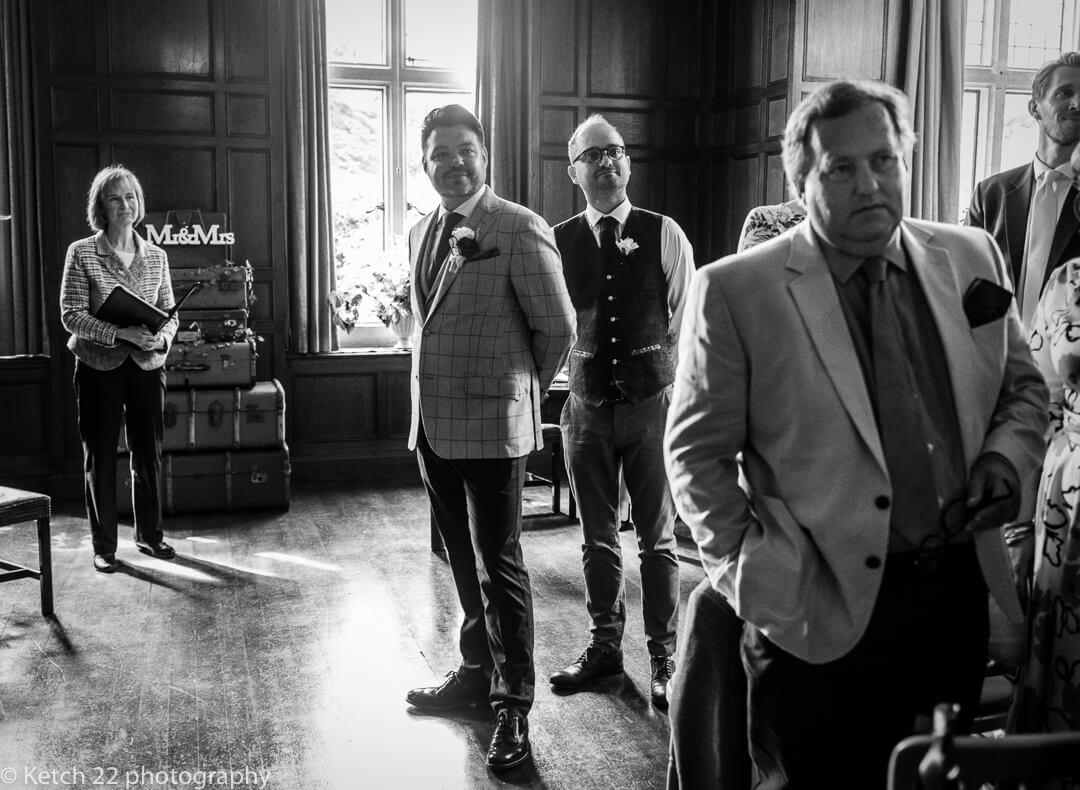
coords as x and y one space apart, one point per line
595 662
159 549
453 694
106 563
509 742
663 667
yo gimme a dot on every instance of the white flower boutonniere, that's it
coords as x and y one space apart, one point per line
626 246
463 247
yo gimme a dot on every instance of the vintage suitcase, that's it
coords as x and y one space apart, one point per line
213 326
190 237
224 286
223 419
229 364
217 480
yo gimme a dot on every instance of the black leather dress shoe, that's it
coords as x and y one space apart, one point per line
106 563
159 549
595 662
663 667
453 694
509 741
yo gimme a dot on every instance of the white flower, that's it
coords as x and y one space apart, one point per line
455 260
626 245
462 232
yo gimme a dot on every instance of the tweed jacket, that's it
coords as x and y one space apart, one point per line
91 270
1000 205
498 327
768 375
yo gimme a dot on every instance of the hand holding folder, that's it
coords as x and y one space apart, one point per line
125 308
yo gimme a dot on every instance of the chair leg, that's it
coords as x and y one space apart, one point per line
556 480
45 565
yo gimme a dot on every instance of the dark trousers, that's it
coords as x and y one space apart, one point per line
476 504
103 399
834 725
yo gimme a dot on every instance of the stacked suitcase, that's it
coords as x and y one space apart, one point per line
224 439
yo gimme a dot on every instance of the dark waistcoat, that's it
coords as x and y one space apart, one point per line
622 349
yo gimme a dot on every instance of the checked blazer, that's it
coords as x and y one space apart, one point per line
497 329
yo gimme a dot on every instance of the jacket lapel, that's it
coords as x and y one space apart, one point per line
1017 203
815 297
480 220
420 241
938 279
1064 232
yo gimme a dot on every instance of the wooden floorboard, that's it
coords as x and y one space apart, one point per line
276 651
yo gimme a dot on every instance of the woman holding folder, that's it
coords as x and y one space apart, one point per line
119 370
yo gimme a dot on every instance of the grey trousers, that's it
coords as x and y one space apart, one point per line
599 442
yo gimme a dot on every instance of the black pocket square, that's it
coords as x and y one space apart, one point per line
483 255
985 302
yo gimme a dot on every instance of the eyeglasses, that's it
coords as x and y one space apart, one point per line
593 155
952 523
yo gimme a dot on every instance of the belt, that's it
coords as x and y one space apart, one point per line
933 558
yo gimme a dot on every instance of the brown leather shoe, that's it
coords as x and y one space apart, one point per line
509 741
453 694
663 667
597 661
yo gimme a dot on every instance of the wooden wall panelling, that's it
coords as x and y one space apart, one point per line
188 95
25 401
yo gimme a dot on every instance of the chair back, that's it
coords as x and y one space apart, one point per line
1024 761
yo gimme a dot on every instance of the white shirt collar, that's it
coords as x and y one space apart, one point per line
466 208
621 212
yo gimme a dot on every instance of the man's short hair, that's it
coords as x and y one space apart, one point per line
835 100
1045 73
592 119
96 217
450 115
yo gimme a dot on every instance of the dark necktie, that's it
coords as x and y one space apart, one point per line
609 251
442 249
902 421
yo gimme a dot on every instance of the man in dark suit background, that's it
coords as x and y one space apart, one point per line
1029 209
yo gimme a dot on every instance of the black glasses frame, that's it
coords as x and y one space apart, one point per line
593 155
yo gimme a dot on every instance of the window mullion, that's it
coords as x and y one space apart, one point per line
396 131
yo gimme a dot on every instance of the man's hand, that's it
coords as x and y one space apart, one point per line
993 493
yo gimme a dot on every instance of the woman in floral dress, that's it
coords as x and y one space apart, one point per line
1048 692
764 222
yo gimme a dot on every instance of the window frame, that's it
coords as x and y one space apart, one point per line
396 79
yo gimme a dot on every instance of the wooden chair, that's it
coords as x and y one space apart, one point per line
938 761
17 507
554 473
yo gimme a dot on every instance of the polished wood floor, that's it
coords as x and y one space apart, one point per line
276 650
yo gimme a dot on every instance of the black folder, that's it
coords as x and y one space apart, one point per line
126 308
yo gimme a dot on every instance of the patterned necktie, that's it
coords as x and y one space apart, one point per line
901 418
609 251
1044 219
442 249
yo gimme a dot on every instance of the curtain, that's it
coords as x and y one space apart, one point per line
22 319
308 211
933 79
502 94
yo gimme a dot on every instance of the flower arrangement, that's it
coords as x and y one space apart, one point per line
463 247
384 280
626 246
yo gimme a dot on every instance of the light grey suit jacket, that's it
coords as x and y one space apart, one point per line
767 369
498 329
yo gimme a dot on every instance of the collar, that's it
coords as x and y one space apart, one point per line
621 213
465 209
104 248
1041 167
843 264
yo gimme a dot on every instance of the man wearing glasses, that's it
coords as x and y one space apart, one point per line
627 271
868 376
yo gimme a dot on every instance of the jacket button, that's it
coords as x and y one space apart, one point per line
882 502
873 562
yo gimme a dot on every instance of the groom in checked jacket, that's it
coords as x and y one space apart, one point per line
495 325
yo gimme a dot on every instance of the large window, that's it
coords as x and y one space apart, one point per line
1007 42
389 63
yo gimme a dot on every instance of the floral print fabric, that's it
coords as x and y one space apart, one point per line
1048 694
